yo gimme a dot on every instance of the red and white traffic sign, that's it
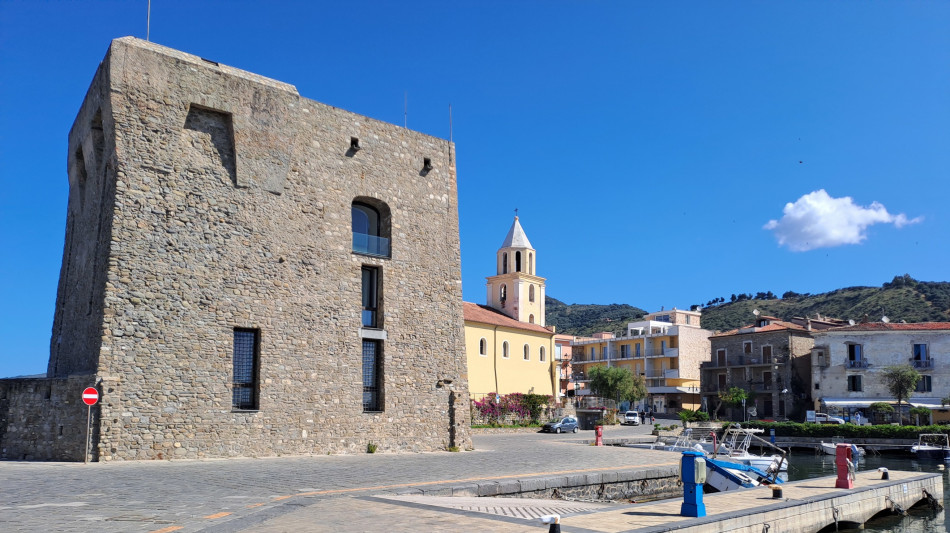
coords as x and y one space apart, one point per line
90 396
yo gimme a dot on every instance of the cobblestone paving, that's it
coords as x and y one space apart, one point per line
244 494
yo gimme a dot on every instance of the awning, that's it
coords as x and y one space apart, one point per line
864 403
929 403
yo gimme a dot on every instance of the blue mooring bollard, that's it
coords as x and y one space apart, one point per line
693 475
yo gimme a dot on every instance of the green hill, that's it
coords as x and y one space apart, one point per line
585 319
903 298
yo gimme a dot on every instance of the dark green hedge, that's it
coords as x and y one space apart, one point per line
795 429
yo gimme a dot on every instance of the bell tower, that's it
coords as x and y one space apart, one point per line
515 289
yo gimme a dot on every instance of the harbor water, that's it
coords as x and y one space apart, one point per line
918 520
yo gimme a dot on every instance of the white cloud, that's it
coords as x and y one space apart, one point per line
816 220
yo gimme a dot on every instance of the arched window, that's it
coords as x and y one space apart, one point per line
530 263
541 355
531 292
504 349
527 353
503 293
370 226
531 319
517 261
482 347
504 263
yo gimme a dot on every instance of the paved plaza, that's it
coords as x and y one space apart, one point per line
365 492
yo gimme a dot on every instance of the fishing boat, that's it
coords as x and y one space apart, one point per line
829 448
932 447
722 476
735 445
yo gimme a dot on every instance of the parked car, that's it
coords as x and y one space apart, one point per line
822 418
631 418
568 423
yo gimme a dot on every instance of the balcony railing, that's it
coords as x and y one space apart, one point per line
370 245
923 364
861 363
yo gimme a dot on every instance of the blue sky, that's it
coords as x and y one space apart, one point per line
659 153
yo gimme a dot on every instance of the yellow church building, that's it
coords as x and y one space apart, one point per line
507 346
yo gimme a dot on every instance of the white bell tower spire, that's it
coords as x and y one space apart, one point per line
515 289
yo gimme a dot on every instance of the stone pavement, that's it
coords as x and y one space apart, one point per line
315 493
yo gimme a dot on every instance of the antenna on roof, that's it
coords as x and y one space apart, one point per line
148 19
850 321
755 312
885 319
405 110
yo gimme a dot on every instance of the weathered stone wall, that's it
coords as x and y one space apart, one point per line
45 419
881 349
231 208
693 350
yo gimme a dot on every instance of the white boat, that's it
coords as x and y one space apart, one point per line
735 445
829 448
721 477
932 447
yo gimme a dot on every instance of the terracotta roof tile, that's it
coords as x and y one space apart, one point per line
888 326
775 325
486 315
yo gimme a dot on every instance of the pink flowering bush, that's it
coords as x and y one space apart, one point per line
515 408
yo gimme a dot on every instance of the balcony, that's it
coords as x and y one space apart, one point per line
922 364
666 352
370 245
860 363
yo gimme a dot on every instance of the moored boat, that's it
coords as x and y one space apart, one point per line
932 447
828 448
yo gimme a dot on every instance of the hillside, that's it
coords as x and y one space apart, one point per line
903 298
585 319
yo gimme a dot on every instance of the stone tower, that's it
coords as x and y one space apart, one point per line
246 272
516 289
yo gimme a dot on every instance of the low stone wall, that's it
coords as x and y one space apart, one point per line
44 419
643 484
638 486
501 431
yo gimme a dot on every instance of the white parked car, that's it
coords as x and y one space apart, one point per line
631 418
822 418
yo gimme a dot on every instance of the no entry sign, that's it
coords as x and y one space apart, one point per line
90 396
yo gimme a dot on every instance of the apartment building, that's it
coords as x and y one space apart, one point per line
666 348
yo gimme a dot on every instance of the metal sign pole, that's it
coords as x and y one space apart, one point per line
85 458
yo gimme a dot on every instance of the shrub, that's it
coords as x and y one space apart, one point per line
886 431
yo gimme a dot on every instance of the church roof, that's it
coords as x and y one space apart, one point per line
516 237
482 313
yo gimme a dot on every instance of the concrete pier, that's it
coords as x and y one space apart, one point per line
807 507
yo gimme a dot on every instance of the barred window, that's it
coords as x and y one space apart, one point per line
372 378
246 354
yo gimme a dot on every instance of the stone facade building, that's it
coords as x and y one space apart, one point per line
246 272
847 364
768 359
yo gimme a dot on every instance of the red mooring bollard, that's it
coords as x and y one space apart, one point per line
845 467
599 430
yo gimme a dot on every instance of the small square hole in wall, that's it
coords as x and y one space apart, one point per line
355 144
426 164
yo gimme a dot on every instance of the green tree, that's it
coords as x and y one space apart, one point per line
617 384
734 397
901 380
882 408
920 413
